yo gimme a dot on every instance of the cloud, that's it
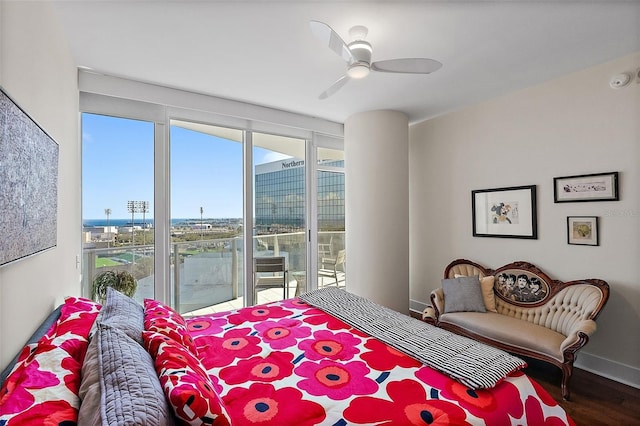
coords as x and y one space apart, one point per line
87 137
275 156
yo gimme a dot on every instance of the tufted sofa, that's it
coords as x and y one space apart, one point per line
526 312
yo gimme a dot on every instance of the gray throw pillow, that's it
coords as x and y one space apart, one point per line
463 294
124 313
131 393
89 392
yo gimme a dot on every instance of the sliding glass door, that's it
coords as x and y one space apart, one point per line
279 189
206 217
117 201
331 218
207 234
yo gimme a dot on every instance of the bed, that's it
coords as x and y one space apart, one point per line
309 360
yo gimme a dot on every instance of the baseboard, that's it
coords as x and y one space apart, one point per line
417 306
616 371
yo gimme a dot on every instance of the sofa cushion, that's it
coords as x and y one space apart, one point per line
463 294
511 331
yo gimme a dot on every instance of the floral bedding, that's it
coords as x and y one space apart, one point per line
287 363
43 385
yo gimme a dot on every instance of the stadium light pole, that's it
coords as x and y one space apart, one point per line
108 213
131 207
201 228
144 205
136 207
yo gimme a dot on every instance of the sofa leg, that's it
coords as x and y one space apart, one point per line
567 370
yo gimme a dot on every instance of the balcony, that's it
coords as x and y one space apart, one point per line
209 276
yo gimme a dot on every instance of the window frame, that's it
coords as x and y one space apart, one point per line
117 97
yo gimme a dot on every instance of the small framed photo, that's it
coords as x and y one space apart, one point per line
582 230
594 187
505 212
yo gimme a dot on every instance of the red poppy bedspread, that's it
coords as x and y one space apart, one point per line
287 363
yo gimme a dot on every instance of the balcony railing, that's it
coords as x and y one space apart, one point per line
205 272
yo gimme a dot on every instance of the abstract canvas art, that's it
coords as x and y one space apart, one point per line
28 184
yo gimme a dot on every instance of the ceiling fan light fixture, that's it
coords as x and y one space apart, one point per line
357 55
358 70
361 51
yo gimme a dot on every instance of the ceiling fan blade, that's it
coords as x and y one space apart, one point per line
334 87
329 37
407 65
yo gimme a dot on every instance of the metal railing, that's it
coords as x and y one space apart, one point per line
203 272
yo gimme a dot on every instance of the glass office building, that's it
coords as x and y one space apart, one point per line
280 197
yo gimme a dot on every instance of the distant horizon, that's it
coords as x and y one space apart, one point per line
150 220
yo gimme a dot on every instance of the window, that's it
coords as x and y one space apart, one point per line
330 218
117 200
280 204
206 217
188 207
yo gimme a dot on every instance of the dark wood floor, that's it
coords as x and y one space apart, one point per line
594 400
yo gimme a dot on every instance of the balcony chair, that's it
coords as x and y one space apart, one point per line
276 269
329 266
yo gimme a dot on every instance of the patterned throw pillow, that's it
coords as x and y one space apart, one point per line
43 385
162 319
186 385
42 389
71 331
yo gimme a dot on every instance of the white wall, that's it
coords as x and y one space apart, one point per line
376 210
570 126
38 72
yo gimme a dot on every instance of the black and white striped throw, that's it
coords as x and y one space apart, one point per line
472 363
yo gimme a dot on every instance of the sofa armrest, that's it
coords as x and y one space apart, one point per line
579 335
429 315
437 299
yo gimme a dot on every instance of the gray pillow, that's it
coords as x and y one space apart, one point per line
89 392
131 393
463 294
124 313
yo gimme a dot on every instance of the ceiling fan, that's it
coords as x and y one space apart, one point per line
357 55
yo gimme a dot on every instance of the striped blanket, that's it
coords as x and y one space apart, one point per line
472 363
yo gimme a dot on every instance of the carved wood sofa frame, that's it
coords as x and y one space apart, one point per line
568 308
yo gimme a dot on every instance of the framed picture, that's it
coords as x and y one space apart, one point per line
594 187
582 230
28 184
505 212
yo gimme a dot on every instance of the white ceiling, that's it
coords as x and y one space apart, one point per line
263 52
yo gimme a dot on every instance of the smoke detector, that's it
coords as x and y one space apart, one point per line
620 80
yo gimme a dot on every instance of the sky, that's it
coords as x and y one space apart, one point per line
117 167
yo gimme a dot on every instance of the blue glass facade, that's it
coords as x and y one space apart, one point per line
280 197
